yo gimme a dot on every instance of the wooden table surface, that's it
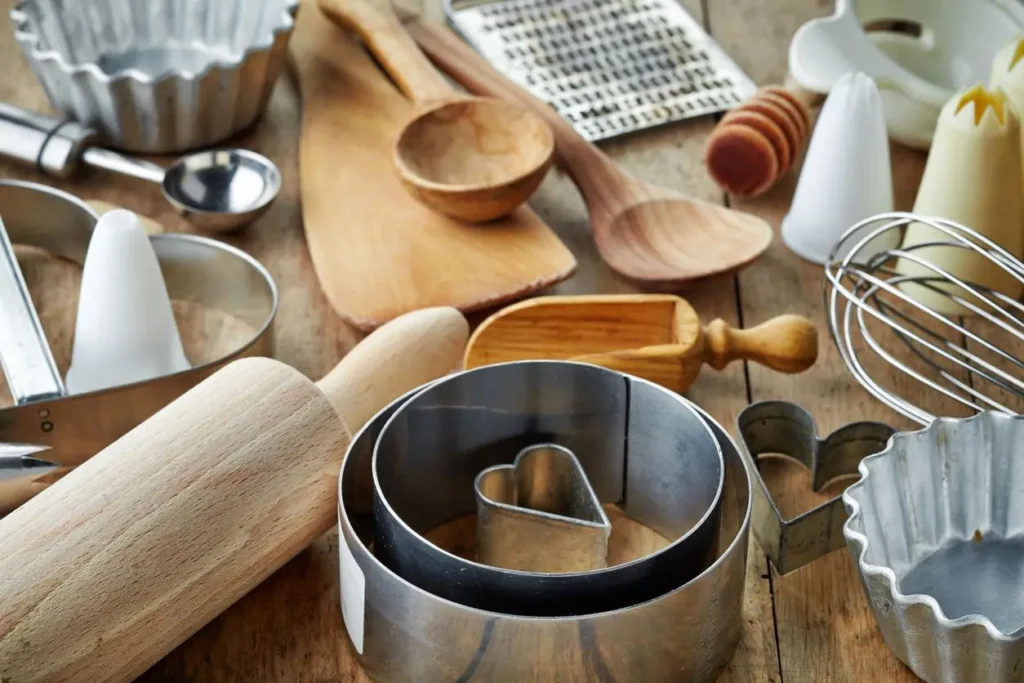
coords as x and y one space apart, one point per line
811 625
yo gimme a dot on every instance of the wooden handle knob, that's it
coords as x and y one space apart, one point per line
787 343
377 24
411 350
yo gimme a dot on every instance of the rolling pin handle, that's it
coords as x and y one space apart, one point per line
405 353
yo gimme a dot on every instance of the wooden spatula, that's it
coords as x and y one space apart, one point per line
378 252
657 337
658 237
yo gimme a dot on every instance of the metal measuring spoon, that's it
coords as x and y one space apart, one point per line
215 190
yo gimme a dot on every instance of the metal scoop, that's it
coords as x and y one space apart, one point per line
215 190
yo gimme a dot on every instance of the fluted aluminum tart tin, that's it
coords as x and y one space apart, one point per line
157 76
936 529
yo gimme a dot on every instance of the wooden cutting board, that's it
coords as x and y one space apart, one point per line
376 251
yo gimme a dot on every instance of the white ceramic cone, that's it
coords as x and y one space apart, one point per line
125 330
846 175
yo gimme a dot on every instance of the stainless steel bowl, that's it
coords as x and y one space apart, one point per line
936 529
157 76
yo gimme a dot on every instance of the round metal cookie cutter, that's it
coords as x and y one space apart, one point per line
639 445
195 269
402 633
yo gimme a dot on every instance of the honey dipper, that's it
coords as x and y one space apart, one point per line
756 144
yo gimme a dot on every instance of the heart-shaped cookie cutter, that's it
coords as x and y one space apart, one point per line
540 514
784 428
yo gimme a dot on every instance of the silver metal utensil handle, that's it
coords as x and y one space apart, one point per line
51 145
24 352
97 157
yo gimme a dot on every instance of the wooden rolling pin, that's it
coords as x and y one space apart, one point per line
112 567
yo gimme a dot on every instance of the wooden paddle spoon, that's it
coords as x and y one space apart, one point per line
655 336
471 158
658 237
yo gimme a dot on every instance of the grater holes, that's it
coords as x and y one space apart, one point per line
607 66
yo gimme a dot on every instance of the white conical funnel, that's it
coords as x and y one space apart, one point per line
125 330
846 175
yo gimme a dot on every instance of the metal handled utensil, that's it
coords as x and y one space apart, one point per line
216 190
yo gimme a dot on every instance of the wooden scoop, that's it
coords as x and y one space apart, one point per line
470 158
657 337
116 564
658 237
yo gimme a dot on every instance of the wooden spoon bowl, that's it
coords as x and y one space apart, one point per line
663 240
471 158
475 159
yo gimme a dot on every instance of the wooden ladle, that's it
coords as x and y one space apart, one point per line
654 336
655 236
475 159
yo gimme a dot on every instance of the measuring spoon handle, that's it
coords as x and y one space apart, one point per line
52 145
377 24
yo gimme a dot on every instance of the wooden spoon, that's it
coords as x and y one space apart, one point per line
655 336
653 235
471 158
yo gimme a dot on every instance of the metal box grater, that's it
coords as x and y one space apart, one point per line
609 67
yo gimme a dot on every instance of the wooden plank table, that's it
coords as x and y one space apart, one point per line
811 625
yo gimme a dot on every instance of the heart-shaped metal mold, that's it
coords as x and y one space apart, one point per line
540 514
780 427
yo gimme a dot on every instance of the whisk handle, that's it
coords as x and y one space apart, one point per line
787 343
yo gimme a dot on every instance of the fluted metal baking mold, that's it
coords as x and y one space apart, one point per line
157 76
936 529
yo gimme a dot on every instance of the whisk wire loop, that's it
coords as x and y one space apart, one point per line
874 310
